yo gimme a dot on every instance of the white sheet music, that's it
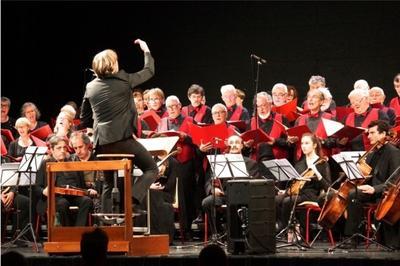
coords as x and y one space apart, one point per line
347 161
228 165
10 176
32 159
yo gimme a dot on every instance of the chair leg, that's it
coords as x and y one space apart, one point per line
308 226
329 231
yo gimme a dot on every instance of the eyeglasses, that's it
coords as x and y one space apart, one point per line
279 94
352 103
218 112
154 99
172 106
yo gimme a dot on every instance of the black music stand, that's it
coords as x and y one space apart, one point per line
284 171
347 162
224 166
26 176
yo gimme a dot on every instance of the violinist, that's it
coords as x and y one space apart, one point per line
58 148
383 161
316 168
235 145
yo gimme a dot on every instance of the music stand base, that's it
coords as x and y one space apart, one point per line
364 238
296 238
27 228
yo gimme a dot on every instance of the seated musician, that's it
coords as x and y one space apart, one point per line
235 146
82 146
320 179
384 160
58 149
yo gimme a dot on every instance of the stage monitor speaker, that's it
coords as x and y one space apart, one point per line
251 216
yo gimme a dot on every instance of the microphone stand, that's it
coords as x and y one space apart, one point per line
259 62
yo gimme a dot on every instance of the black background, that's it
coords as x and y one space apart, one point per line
46 46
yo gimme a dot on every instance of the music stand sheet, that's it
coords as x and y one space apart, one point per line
9 176
228 165
352 155
348 165
282 169
32 159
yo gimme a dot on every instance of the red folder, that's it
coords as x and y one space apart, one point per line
42 132
8 134
348 132
258 135
151 118
289 110
298 131
3 148
216 134
38 142
342 112
239 124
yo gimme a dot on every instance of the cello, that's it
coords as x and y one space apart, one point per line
337 204
388 209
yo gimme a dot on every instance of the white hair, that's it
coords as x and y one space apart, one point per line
228 88
325 91
315 79
69 110
265 95
218 105
279 86
361 84
358 92
378 89
172 98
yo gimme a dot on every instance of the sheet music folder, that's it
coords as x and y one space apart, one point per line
282 170
228 166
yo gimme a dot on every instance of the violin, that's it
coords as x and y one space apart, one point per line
298 184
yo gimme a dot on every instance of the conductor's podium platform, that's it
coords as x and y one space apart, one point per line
121 238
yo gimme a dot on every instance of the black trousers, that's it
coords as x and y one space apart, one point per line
142 159
208 204
187 195
84 203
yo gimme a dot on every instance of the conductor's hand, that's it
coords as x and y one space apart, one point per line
143 45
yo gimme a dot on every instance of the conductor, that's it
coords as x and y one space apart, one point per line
109 108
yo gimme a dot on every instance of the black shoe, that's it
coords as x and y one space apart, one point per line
188 236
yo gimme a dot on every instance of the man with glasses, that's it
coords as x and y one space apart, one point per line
177 122
279 94
362 115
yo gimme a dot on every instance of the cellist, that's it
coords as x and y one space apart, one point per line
384 160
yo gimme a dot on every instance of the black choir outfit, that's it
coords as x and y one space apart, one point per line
361 142
383 162
200 114
110 102
236 113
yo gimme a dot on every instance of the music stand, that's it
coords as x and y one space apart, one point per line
224 166
282 170
347 162
27 169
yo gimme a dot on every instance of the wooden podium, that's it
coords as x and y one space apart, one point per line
63 239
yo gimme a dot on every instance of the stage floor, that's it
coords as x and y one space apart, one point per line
187 255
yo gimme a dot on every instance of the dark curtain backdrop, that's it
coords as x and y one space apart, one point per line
46 46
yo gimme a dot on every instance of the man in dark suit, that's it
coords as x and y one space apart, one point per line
108 99
236 145
384 160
